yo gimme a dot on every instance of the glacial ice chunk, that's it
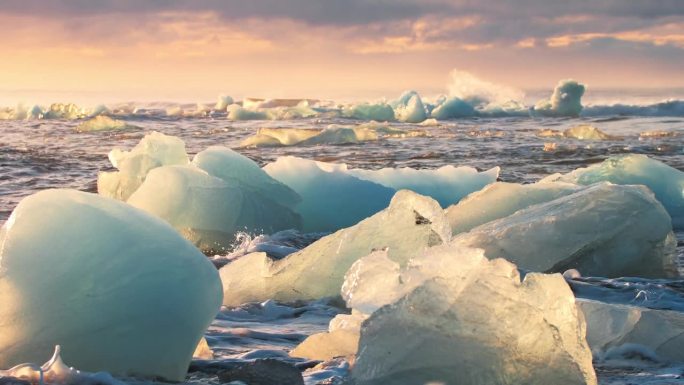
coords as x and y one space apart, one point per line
111 284
501 199
381 112
581 132
566 100
210 211
331 198
103 123
612 325
333 134
604 230
223 102
154 150
410 224
453 108
468 320
231 166
266 137
447 184
354 194
667 183
237 112
410 108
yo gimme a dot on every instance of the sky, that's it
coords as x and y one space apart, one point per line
93 51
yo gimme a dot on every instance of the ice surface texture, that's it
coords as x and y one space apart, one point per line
154 150
410 224
566 100
111 284
103 123
603 230
220 194
499 200
667 183
611 326
465 320
333 134
334 196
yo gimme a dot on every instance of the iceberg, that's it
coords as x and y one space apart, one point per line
220 194
409 108
230 166
223 102
501 199
111 284
667 183
267 137
331 198
410 224
378 112
581 132
103 123
611 326
68 111
452 316
566 100
354 194
604 230
333 134
586 132
447 184
237 112
154 150
453 108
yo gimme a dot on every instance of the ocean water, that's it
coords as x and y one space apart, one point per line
50 153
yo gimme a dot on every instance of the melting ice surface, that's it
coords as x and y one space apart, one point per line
50 152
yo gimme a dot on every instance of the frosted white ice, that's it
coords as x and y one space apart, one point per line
210 211
111 284
566 100
154 150
409 108
223 102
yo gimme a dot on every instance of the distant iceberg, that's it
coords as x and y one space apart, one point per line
566 100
